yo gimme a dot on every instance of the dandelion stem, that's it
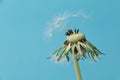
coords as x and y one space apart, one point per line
77 68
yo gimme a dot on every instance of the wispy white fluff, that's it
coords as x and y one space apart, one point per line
54 59
59 22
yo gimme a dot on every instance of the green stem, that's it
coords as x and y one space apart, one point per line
77 68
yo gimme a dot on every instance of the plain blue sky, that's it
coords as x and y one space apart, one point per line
24 48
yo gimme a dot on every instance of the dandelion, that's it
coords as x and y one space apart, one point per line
79 47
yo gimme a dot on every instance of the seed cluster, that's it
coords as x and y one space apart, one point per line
75 36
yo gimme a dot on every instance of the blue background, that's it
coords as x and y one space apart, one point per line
24 48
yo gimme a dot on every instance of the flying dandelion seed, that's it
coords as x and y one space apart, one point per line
60 22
